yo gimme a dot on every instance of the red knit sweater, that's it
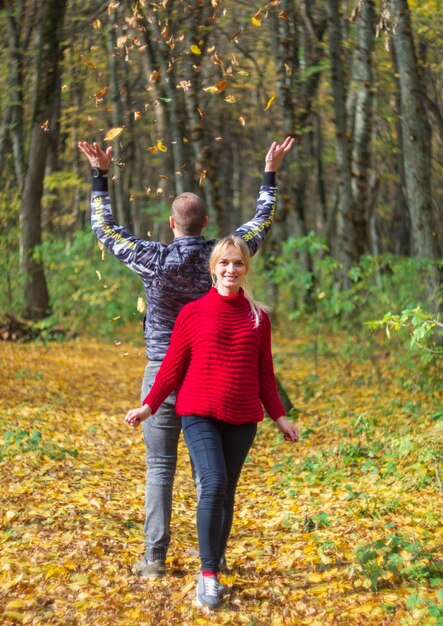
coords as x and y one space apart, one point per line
220 365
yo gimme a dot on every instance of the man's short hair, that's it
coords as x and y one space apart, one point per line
189 213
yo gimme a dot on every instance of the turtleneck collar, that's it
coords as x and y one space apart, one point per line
231 298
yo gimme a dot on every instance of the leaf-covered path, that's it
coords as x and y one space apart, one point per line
343 528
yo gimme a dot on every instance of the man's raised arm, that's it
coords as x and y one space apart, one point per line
134 252
255 230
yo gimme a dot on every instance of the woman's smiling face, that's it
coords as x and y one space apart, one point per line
230 271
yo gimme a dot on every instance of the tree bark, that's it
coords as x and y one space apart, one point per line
345 248
118 120
361 85
416 137
50 24
16 87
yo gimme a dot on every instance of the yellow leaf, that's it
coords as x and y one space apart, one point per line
211 89
15 604
112 7
99 276
230 99
161 146
140 305
87 62
112 134
195 50
255 22
270 101
96 23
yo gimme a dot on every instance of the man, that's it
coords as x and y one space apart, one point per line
172 276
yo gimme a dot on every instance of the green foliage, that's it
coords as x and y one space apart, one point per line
419 323
21 441
315 294
11 280
87 293
401 556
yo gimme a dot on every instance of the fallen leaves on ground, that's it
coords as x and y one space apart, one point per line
342 528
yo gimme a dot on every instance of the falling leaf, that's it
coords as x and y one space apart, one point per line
195 50
270 101
217 88
242 120
112 134
230 99
99 276
87 62
202 177
154 76
141 305
45 126
283 15
160 146
96 24
112 6
255 20
137 115
101 93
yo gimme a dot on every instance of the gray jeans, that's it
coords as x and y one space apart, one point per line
161 433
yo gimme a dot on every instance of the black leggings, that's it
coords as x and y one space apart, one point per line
218 450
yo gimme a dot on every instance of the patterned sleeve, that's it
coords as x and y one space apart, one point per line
254 231
268 386
138 254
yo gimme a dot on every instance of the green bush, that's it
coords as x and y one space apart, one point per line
88 293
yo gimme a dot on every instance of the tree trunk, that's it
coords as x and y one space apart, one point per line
416 138
50 23
345 247
158 52
122 207
361 85
16 87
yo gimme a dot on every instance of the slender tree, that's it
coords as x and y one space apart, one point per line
416 140
346 245
47 60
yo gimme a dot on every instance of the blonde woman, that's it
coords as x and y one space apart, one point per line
220 362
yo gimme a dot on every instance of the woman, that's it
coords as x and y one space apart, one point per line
220 362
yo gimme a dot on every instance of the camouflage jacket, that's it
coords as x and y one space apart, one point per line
177 273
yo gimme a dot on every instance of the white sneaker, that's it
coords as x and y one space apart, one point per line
208 591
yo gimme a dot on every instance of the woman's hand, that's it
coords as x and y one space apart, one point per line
289 430
134 417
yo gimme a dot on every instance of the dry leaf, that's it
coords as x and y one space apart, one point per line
112 134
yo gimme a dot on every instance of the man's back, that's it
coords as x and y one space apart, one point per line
181 274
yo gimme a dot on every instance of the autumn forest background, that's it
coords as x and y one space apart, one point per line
344 528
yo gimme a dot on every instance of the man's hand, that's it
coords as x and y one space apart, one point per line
97 157
289 430
277 153
134 417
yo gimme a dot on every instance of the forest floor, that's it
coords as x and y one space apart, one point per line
343 528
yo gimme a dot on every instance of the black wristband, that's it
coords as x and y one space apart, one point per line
269 179
100 184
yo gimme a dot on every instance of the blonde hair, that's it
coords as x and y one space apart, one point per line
219 250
